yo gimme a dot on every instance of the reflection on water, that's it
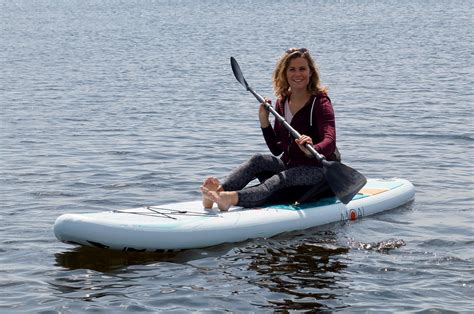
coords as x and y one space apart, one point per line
109 261
90 274
306 273
303 270
295 275
106 261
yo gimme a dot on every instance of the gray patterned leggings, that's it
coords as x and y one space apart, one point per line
274 176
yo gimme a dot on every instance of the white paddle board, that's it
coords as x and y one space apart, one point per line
188 225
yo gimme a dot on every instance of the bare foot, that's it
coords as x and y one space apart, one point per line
212 184
224 200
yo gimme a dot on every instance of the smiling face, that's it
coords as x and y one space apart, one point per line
298 74
296 70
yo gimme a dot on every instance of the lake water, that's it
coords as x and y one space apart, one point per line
116 104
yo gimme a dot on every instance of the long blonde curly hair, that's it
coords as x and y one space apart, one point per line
280 83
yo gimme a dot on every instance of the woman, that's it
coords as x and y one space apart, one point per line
304 103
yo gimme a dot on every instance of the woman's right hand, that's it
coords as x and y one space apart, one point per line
264 114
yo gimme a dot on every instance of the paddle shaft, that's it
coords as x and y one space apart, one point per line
293 132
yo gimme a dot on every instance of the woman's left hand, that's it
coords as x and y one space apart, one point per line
302 141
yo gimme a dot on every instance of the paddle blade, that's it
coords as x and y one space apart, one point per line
344 181
238 73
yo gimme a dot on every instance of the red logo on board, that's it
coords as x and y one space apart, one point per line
352 215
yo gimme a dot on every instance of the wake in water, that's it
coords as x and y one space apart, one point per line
382 246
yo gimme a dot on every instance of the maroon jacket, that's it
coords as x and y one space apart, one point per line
322 131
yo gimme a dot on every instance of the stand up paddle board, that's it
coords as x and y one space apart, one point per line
188 225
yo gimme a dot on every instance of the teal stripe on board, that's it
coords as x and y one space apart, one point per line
318 203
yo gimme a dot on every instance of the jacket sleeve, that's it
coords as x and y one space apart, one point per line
271 140
326 128
271 137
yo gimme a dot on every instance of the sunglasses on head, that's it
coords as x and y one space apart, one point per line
301 50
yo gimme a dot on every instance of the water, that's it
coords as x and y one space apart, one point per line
115 104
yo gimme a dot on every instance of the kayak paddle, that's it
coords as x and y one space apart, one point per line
344 181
